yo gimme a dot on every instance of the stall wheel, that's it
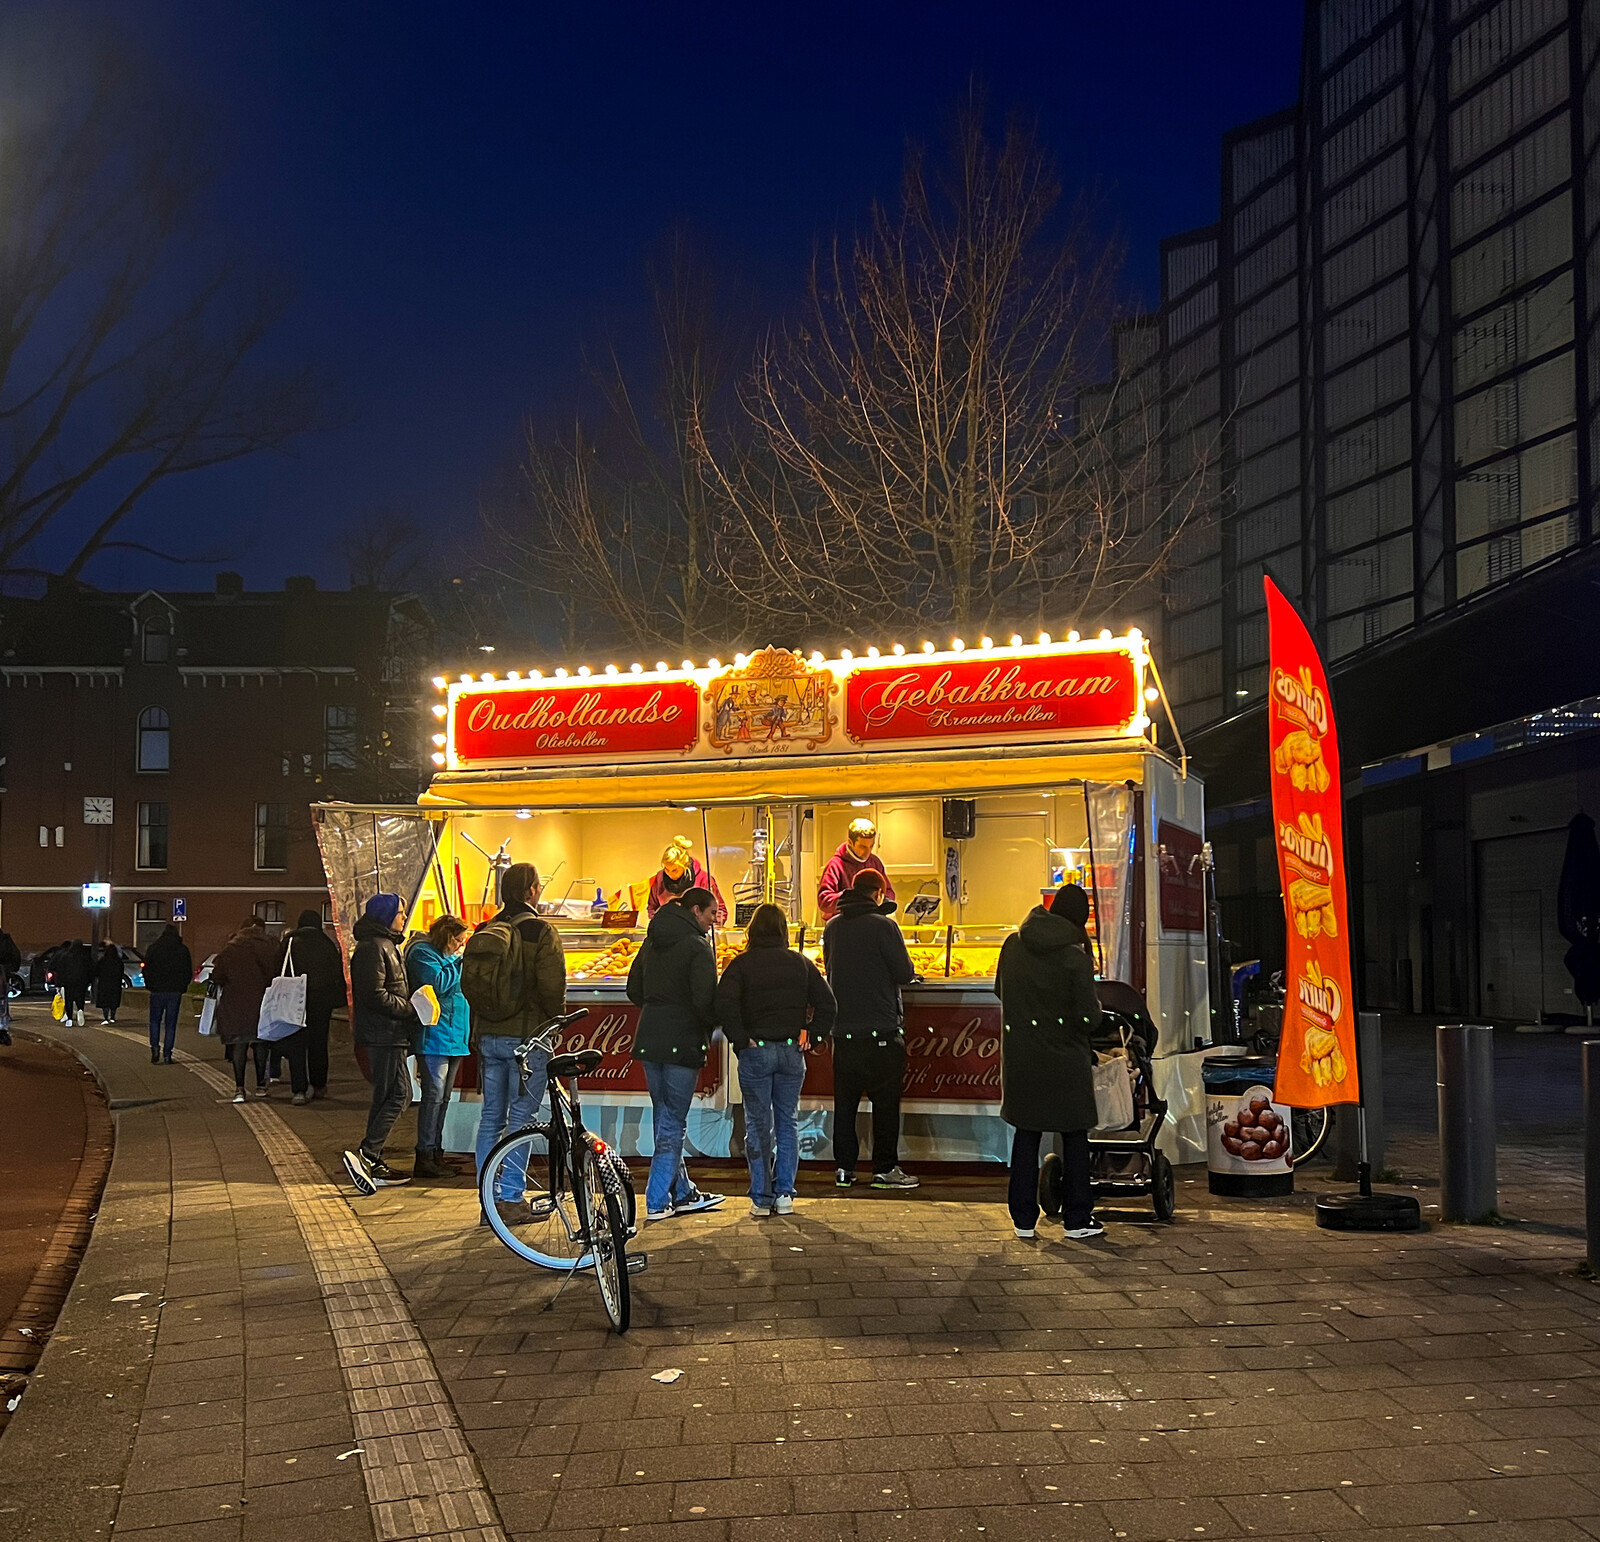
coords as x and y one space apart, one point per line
1050 1184
1163 1187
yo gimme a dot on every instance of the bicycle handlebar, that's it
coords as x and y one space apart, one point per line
545 1038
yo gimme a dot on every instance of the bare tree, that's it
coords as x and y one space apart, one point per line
621 524
126 360
385 550
953 434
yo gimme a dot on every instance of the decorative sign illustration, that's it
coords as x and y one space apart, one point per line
773 701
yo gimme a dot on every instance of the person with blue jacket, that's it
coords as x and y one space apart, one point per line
435 960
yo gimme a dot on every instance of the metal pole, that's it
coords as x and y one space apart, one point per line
1465 1068
1591 1149
1357 1131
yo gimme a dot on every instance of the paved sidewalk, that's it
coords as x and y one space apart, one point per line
873 1367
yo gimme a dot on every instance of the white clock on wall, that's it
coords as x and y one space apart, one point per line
97 811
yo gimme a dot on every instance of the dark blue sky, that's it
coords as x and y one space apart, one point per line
461 194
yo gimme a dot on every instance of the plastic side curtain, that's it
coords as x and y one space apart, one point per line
1110 811
366 853
1317 1053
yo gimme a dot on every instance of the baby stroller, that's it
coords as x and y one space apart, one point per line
1123 1162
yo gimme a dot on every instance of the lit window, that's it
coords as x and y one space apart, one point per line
272 837
152 836
271 912
155 740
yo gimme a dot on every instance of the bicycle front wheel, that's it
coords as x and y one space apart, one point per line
1309 1129
608 1234
527 1196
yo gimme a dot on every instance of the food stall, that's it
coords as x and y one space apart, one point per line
990 773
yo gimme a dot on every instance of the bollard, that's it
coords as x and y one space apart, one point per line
1591 1148
1465 1061
1345 1137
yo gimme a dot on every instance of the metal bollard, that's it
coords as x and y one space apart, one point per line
1591 1148
1346 1132
1465 1061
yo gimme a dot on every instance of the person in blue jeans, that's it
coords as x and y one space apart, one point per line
435 961
506 1106
168 970
673 982
773 1004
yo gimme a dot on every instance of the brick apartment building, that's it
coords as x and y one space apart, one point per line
170 744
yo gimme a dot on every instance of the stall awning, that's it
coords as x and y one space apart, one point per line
793 778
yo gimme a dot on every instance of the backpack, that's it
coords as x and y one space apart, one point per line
494 974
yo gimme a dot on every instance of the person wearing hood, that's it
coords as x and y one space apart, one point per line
242 972
110 976
382 1018
673 982
435 961
1045 982
854 857
773 1004
867 964
73 966
308 950
168 971
680 872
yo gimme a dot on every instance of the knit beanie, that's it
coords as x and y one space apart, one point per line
384 908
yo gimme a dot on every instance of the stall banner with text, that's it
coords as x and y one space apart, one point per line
952 1054
522 722
1075 695
1316 1053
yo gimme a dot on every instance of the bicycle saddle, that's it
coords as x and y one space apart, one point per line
574 1065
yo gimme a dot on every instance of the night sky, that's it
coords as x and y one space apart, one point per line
461 195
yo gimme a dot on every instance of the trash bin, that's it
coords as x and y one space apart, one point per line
1247 1134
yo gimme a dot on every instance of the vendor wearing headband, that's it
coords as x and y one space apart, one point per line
852 858
680 872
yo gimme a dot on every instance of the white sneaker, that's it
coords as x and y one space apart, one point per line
894 1179
1086 1233
760 1212
660 1215
698 1201
238 1097
1026 1233
356 1166
784 1204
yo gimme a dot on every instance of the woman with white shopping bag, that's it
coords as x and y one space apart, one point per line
242 972
282 1025
1045 982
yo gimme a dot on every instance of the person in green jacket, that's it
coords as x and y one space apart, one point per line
1045 982
673 982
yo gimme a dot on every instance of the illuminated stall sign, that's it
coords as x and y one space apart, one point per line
1085 694
523 722
952 1054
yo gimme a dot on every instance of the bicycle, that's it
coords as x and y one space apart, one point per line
1308 1126
573 1206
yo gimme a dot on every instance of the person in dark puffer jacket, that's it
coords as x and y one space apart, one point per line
168 970
382 1018
673 982
773 1004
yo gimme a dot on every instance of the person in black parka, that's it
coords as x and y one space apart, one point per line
73 967
168 969
110 975
1045 982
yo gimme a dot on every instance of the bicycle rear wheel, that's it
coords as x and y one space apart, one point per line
1308 1130
608 1235
526 1193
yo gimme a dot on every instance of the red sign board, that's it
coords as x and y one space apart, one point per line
525 722
952 1054
610 1028
1053 695
1183 879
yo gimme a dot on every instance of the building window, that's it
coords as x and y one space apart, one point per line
155 641
272 837
155 740
152 836
339 738
149 920
271 912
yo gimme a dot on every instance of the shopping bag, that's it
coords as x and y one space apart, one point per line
283 1007
425 1003
58 1006
1113 1094
208 1014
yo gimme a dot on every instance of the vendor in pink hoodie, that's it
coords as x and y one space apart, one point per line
854 856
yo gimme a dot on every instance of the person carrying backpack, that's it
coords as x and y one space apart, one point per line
514 976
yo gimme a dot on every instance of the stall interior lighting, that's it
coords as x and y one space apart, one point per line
524 813
860 803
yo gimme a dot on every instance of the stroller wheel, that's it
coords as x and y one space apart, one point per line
1050 1185
1163 1187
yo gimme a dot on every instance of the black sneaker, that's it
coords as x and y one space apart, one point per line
355 1165
1086 1233
843 1178
385 1176
697 1201
155 1058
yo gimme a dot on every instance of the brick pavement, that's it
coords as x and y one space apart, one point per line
874 1367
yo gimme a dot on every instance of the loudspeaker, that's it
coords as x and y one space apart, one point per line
960 819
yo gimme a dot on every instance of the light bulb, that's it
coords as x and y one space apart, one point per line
816 657
1016 641
513 674
846 655
466 679
524 813
439 709
927 647
438 682
899 650
437 758
738 661
957 645
636 669
860 803
662 667
536 674
986 642
1135 633
1105 634
439 740
488 677
1072 636
561 674
713 663
611 669
1151 693
688 663
583 671
1044 639
872 653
